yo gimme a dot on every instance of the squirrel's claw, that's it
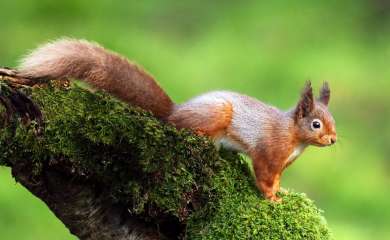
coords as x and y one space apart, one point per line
276 199
284 191
5 71
11 75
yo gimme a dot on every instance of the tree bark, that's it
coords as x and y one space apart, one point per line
87 213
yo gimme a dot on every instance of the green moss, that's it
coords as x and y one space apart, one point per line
155 169
241 212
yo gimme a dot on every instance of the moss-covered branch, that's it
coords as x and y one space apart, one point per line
129 172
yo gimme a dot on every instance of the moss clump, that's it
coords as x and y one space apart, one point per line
241 212
155 169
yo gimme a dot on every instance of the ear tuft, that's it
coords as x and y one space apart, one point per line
306 103
324 94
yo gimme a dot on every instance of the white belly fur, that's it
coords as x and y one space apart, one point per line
228 143
297 151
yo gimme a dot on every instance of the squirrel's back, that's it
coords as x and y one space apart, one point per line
103 69
234 120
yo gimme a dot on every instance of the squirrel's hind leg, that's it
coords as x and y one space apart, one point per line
204 119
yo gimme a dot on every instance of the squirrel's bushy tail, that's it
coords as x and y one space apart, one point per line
103 69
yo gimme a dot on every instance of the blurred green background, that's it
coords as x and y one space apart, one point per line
263 49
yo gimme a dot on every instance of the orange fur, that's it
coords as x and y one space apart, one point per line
218 126
103 69
213 122
270 159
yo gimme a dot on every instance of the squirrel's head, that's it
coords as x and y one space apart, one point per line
315 124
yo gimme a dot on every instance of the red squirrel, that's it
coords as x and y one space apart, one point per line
271 137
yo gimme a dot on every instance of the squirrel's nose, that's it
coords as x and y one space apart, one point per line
333 140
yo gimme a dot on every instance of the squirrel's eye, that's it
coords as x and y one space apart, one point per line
316 124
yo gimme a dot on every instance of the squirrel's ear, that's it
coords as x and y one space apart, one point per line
306 103
324 94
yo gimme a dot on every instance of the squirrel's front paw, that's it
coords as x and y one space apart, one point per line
274 198
283 190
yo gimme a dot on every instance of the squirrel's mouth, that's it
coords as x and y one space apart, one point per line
325 141
323 144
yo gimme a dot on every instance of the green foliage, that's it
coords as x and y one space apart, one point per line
156 169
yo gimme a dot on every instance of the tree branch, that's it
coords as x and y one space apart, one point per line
86 213
110 171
